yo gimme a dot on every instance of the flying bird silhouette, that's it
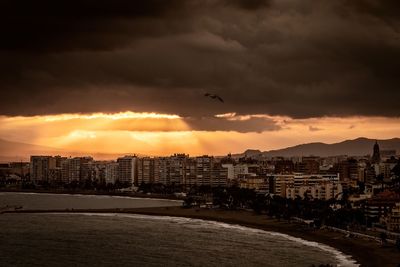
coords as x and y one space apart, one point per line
214 96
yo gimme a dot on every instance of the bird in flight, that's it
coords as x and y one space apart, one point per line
214 96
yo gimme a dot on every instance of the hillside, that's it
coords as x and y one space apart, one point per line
16 151
357 147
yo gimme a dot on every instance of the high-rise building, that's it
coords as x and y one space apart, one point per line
55 175
190 178
171 170
210 173
177 164
40 168
180 169
146 170
219 175
163 170
203 170
111 172
75 169
97 171
127 170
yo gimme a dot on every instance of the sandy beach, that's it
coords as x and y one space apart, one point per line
365 252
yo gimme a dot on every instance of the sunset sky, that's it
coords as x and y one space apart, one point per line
130 76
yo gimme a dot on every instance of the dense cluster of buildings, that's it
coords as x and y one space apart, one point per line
368 181
312 177
262 176
179 169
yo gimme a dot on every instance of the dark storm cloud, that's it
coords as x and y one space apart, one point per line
378 8
297 58
249 4
47 25
222 124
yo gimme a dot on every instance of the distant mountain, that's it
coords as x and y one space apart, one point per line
15 151
252 152
357 147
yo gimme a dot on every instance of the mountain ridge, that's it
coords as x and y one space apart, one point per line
19 151
16 151
360 146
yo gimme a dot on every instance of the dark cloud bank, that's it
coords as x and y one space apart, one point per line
299 58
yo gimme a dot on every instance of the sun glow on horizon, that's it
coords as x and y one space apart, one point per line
163 134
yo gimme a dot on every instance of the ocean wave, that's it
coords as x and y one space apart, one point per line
343 259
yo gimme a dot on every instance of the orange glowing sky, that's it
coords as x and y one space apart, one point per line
164 134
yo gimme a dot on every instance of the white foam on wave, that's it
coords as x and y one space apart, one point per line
343 259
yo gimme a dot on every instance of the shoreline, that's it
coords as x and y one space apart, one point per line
367 253
95 193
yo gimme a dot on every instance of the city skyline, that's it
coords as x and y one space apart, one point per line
200 133
286 176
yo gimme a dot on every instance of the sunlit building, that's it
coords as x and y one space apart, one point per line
259 184
230 169
321 186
